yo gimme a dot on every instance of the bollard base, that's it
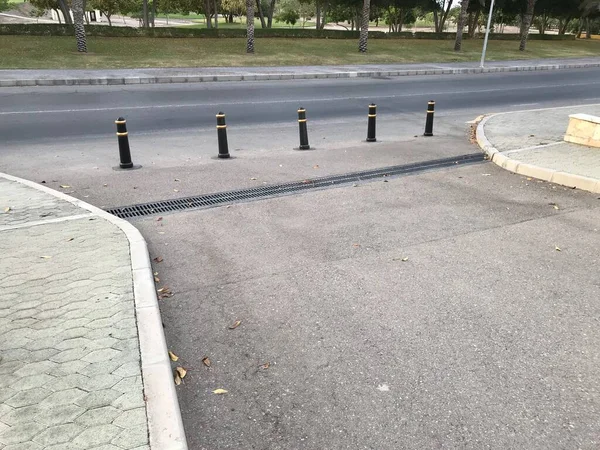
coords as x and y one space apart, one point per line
371 140
125 169
224 156
304 147
428 134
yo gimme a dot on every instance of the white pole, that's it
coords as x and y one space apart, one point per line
487 33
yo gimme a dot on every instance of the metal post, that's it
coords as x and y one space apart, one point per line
487 33
124 150
371 123
222 136
429 119
303 129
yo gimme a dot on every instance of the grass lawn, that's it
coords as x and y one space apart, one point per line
59 52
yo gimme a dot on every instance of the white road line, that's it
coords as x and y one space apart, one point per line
35 223
534 147
295 101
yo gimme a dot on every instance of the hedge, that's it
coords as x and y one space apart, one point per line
181 32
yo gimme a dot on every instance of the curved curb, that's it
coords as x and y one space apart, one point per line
162 407
530 170
112 81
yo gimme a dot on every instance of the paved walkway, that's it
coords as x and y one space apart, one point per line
70 366
32 77
531 143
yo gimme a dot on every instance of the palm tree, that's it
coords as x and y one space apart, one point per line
464 5
526 24
249 26
364 26
77 6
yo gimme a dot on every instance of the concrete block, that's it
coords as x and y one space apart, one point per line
576 181
583 129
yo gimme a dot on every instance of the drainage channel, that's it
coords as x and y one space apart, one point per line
275 190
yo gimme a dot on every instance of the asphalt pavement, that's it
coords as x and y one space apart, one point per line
447 309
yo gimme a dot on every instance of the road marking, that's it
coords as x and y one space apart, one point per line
35 223
534 147
525 104
270 102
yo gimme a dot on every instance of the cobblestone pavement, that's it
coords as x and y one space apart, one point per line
70 374
536 137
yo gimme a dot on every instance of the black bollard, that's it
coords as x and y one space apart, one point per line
124 151
371 127
429 120
222 135
303 129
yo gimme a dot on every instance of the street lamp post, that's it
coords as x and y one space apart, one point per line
487 33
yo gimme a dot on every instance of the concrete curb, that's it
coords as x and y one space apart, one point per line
108 81
530 170
162 407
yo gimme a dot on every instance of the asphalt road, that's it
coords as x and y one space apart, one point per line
55 113
486 336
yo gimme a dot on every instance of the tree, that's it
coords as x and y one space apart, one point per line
526 24
364 26
464 5
4 6
77 7
249 26
106 7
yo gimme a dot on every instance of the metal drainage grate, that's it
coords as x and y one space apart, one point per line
240 195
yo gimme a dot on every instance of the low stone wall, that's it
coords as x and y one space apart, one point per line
584 129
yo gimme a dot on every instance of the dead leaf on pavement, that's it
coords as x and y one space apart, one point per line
177 379
158 259
206 361
265 366
175 190
235 324
159 219
45 257
316 166
253 178
156 280
176 179
65 186
557 249
164 292
219 391
355 245
182 372
70 239
7 209
173 356
554 205
405 259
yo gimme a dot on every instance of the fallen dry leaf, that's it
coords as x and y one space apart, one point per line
173 356
235 324
219 391
355 245
175 190
558 249
316 166
155 273
206 361
156 280
159 219
253 178
70 239
554 205
176 179
182 372
265 366
164 292
158 259
45 257
7 209
177 379
65 186
405 259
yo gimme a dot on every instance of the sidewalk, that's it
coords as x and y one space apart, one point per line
11 78
531 143
83 362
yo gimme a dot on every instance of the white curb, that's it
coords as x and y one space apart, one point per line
162 407
281 76
530 170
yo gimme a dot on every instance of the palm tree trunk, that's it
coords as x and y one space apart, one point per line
64 8
77 6
145 13
249 26
588 32
526 24
460 25
263 24
364 26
